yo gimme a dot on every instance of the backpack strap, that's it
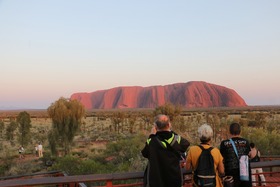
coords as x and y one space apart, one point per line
233 145
176 138
165 144
199 159
202 148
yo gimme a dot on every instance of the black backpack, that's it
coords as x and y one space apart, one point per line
204 174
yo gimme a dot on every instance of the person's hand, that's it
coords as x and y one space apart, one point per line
153 130
183 163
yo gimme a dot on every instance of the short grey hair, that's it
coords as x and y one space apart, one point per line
205 133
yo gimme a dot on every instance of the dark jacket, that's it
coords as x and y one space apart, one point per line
164 168
231 161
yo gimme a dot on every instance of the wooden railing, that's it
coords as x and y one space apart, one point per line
102 180
270 157
34 175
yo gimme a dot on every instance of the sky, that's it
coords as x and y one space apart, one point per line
51 49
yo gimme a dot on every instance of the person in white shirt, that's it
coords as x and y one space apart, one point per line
40 150
21 151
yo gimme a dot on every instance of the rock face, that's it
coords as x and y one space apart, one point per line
189 95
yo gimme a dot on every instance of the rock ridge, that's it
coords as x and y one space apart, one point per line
193 94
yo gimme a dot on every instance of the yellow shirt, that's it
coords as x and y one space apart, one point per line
194 153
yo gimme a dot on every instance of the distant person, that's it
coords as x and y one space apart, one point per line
36 150
21 152
231 161
163 149
40 150
255 157
205 133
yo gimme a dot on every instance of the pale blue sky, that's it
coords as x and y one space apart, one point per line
53 48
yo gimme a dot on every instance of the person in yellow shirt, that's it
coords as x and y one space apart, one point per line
205 133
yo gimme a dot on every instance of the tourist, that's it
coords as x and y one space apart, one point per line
205 134
40 150
231 161
36 150
255 157
164 149
21 152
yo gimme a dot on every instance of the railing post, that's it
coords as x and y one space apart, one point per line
72 185
109 184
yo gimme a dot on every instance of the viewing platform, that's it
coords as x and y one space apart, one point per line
130 179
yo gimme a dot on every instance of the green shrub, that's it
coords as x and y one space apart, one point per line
75 166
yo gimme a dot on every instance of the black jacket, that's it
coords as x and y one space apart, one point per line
231 161
164 160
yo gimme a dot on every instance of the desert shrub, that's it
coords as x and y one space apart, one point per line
168 109
267 142
22 168
274 143
179 125
75 166
2 127
125 154
48 159
10 131
7 160
80 154
2 170
91 167
67 164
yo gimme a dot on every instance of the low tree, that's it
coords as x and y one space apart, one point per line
24 122
2 127
169 109
10 131
117 120
66 118
148 119
131 121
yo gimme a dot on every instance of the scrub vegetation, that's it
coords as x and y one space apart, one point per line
108 141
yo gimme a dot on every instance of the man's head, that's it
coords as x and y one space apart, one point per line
162 122
205 133
252 145
235 129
